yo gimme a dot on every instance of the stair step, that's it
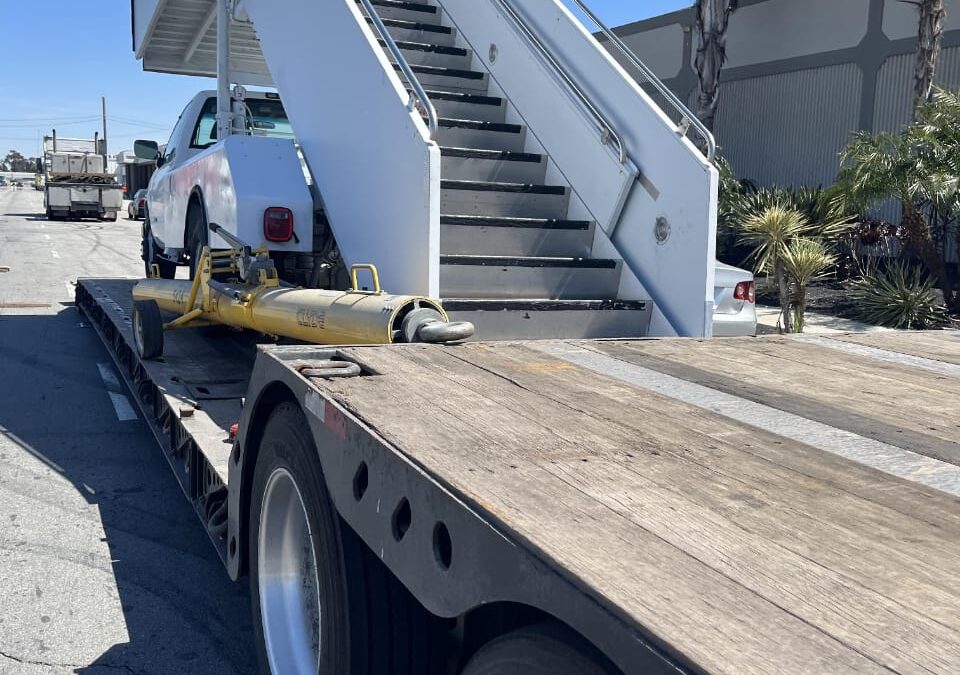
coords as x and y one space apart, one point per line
474 164
480 135
450 78
418 31
541 319
479 198
521 223
498 277
515 237
425 54
407 11
460 105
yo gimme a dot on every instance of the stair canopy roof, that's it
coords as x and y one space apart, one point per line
180 36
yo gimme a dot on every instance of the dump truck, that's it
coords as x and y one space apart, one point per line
593 485
73 175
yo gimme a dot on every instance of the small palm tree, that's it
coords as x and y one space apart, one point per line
804 260
771 233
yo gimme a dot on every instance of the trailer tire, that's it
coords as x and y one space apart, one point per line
542 649
369 624
147 329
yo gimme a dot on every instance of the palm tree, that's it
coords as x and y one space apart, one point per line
919 166
804 260
713 17
770 233
929 37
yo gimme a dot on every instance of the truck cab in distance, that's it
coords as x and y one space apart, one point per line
250 182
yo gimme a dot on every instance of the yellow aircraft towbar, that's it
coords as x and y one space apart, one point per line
256 299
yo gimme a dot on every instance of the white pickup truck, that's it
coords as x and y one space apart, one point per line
251 183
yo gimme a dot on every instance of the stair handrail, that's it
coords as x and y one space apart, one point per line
607 133
417 92
689 119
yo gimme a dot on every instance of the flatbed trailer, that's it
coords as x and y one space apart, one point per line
769 505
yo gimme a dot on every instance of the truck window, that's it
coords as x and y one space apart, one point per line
205 132
171 148
265 117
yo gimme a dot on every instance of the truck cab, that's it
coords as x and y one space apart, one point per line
252 183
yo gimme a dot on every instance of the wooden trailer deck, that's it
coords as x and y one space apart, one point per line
769 505
764 505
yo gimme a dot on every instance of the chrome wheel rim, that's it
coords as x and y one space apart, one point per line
289 590
138 332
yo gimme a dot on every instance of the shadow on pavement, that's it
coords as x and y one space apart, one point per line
182 614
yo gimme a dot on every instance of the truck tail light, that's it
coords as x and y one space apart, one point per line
278 224
745 290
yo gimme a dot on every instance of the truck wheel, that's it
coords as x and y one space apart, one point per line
168 270
542 649
197 236
147 329
322 603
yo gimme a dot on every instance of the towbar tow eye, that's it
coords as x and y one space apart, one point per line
440 332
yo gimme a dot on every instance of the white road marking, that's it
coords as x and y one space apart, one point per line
55 254
121 404
869 452
106 374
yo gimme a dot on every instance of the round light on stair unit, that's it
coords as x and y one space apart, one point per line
493 53
661 230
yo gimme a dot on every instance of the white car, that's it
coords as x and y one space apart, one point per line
734 302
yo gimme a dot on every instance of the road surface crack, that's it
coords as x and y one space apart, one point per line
50 664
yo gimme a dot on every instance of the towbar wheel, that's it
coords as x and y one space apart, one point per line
147 329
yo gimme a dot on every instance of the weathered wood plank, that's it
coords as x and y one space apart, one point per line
937 345
906 407
509 428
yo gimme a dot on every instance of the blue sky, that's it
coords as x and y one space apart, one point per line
61 56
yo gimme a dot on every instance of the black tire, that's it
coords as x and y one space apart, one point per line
371 625
198 235
147 329
168 269
542 649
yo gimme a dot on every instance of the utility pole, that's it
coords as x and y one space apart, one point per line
103 104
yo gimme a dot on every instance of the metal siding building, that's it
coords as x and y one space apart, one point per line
801 76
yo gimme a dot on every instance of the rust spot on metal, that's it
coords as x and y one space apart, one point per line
23 305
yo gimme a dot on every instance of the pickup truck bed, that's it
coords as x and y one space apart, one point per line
768 505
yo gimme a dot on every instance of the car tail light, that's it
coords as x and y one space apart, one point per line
141 202
745 290
278 224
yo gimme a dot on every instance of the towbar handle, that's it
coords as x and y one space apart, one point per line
231 239
373 272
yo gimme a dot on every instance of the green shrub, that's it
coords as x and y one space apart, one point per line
898 297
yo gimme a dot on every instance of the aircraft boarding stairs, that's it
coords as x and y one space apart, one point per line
487 152
511 259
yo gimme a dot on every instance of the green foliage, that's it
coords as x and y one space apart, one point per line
898 297
770 232
920 167
806 260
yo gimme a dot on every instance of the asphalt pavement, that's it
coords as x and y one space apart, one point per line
104 568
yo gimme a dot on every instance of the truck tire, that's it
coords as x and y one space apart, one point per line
347 601
541 649
147 329
198 236
168 269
